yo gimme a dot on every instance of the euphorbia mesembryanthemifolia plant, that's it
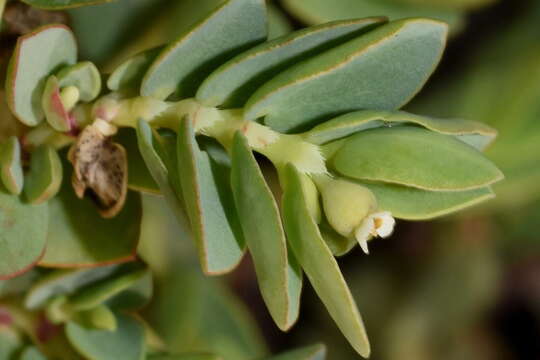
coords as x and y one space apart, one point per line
204 121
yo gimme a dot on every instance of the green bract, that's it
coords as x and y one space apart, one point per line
291 149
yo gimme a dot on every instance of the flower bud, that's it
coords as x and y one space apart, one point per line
346 204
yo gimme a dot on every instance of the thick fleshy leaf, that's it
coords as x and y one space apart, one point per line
55 112
32 353
36 56
84 76
415 204
314 352
79 237
415 157
473 133
278 274
135 296
234 82
139 178
182 66
219 242
23 234
11 171
319 264
130 73
98 293
322 11
162 169
63 282
381 70
62 4
126 342
45 176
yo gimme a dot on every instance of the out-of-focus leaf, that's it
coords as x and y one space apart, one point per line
278 23
314 352
381 70
219 241
415 204
321 11
126 342
181 66
32 353
62 4
190 312
63 282
319 264
278 274
104 290
79 237
415 157
130 73
23 234
185 357
36 56
473 133
10 344
234 82
103 30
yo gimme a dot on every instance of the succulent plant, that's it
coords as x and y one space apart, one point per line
205 121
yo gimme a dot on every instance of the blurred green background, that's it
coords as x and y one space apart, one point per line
462 287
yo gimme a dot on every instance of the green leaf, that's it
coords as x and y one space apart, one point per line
32 353
10 343
98 293
11 171
36 56
220 244
139 178
322 11
414 204
84 76
149 142
135 296
23 234
130 73
63 282
234 82
319 264
278 275
55 112
193 356
381 70
45 176
229 29
62 4
78 236
473 133
415 157
314 352
126 342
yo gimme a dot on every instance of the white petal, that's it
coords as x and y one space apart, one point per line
363 233
386 222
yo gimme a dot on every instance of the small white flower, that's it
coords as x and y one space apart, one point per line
377 224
